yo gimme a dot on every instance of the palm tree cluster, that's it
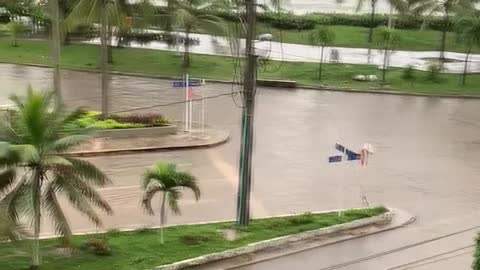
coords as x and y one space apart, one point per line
36 176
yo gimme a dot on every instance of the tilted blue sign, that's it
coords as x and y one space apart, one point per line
350 155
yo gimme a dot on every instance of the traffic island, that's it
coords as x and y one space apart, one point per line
187 245
129 141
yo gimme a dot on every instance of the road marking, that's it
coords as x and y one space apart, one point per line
118 187
230 173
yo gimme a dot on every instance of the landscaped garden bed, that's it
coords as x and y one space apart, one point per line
92 119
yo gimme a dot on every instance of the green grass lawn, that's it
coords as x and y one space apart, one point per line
142 250
356 37
164 63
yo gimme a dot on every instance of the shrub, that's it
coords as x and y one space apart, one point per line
434 70
149 119
97 246
305 218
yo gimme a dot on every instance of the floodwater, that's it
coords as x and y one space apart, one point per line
420 60
426 161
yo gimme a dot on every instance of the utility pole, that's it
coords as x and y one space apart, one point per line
249 86
55 13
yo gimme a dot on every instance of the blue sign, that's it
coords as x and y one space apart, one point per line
190 83
349 153
334 159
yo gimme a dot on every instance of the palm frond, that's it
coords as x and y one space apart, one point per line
186 180
150 191
51 204
88 172
7 178
173 197
65 143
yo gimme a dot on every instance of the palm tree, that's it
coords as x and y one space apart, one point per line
33 170
191 15
15 28
468 27
109 13
322 37
373 5
56 44
165 178
387 39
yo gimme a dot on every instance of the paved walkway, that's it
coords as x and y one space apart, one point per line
420 60
194 139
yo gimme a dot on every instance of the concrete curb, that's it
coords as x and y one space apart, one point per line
221 141
300 86
276 242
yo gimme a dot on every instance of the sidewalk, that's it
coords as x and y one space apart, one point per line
182 140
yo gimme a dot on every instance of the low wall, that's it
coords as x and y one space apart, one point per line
137 132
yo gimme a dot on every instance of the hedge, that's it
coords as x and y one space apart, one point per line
290 21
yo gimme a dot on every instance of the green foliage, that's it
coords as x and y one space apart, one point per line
15 29
386 38
90 119
408 74
142 250
434 70
97 247
322 36
476 255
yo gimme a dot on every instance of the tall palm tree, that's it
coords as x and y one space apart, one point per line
56 47
373 6
110 14
192 15
387 39
468 28
165 178
322 37
33 170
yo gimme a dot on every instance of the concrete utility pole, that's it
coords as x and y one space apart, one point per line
55 12
249 86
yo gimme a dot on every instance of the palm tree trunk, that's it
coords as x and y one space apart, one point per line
36 219
385 59
109 43
56 51
320 64
372 22
104 60
162 217
465 67
186 55
444 36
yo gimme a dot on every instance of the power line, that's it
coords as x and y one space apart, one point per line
174 103
341 265
415 264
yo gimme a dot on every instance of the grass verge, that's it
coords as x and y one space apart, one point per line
154 62
140 250
356 37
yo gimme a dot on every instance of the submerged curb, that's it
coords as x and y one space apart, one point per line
300 86
223 139
276 242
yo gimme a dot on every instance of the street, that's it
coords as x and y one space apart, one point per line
425 162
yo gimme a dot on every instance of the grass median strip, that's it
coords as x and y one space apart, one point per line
154 62
140 250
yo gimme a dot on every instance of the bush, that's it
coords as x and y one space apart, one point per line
476 256
91 119
97 247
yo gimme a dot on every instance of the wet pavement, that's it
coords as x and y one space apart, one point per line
420 60
426 162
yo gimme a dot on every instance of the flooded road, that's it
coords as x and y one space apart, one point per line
426 161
